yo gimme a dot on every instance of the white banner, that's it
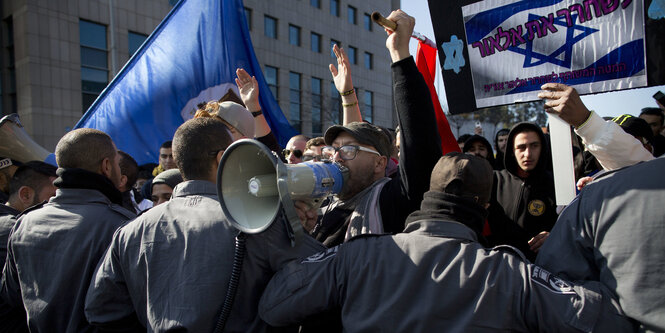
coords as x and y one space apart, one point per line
516 46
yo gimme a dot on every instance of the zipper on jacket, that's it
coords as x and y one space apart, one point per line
517 202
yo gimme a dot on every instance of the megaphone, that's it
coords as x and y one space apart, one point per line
16 144
253 185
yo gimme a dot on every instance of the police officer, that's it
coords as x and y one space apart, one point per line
436 276
54 249
169 269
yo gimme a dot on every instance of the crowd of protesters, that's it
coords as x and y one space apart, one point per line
418 240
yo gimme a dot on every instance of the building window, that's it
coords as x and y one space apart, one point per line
248 17
369 61
335 105
367 20
271 79
353 57
351 12
334 7
294 100
316 42
333 43
270 27
315 3
317 99
8 97
294 35
135 42
368 107
94 63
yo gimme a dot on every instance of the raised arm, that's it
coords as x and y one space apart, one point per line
611 145
420 146
249 93
342 78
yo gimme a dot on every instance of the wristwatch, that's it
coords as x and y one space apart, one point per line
257 113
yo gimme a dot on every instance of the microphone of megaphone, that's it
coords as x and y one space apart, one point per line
253 185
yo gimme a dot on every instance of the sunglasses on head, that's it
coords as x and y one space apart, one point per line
296 152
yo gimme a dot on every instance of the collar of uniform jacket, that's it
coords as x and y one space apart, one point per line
195 187
439 228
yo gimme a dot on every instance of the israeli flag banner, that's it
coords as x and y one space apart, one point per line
515 46
190 58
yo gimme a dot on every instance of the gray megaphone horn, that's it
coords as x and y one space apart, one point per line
16 143
254 185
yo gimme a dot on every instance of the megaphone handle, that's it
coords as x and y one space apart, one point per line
296 232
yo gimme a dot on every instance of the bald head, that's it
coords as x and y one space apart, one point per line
91 150
84 148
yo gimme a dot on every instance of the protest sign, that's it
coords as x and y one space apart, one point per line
496 52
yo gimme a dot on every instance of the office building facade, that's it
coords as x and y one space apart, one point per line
58 55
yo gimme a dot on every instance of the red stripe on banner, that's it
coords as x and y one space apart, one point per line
426 62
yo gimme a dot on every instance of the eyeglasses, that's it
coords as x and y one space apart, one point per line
347 152
296 152
308 157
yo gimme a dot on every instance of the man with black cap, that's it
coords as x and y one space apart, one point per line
638 128
436 276
54 249
372 202
7 168
32 184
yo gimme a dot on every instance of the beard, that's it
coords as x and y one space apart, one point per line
358 181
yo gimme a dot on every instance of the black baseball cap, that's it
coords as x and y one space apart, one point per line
463 175
364 133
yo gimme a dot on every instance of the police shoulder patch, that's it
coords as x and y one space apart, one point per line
321 256
550 281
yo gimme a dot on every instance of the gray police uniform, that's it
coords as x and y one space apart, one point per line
171 267
614 232
435 277
7 221
52 255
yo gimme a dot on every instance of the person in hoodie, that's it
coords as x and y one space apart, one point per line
523 208
479 146
500 145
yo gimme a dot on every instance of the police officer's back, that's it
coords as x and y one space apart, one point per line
436 276
54 249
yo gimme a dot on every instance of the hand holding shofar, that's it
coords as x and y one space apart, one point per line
382 21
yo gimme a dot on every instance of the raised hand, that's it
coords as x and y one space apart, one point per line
342 73
398 40
249 89
565 102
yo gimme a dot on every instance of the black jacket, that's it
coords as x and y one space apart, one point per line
522 208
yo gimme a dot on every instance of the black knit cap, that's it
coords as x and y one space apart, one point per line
170 177
364 133
463 175
634 126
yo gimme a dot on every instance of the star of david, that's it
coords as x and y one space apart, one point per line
453 51
566 48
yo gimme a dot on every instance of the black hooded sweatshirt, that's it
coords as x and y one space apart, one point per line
488 146
522 208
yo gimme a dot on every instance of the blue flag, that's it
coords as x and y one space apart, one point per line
191 57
